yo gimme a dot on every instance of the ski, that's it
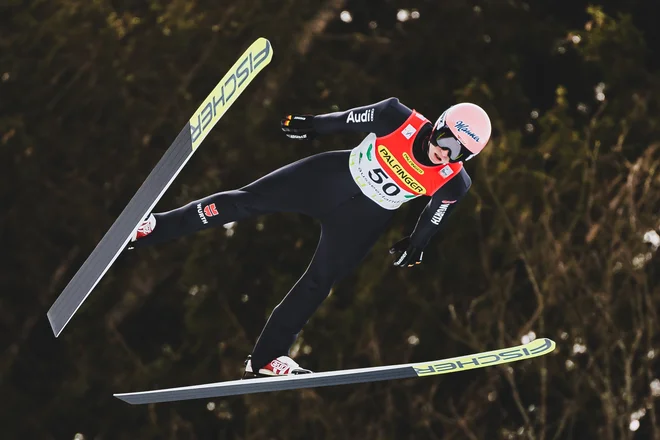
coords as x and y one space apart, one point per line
538 347
255 58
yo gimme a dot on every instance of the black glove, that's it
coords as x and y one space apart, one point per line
409 255
299 126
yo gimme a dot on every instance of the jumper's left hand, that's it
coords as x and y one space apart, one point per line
299 127
408 255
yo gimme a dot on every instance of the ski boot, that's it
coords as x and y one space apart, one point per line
282 366
145 228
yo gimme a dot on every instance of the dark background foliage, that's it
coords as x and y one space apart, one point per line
557 237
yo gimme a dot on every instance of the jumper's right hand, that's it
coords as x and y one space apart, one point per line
407 255
299 126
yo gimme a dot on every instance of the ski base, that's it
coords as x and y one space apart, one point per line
538 347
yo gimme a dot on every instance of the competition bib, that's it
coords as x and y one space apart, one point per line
374 181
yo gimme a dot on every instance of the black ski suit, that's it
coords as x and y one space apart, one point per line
322 187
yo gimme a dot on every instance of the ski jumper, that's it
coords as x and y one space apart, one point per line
337 187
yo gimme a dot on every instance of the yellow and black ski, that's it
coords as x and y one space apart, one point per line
255 58
538 347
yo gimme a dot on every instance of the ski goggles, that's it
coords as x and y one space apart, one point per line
444 138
